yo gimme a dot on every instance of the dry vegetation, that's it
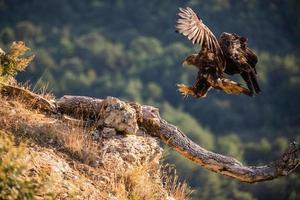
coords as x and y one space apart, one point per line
14 61
15 181
84 151
70 159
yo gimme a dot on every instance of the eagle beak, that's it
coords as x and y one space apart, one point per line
185 63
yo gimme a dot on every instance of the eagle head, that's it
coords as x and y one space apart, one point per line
226 38
190 60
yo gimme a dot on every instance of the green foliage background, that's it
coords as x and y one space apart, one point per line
128 49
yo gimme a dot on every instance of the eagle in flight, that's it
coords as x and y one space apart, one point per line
230 54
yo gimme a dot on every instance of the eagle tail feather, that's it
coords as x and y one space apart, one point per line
231 87
247 78
255 83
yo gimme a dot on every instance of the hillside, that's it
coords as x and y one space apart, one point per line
68 160
110 135
129 50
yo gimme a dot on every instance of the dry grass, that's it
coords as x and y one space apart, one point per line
74 139
69 138
16 182
178 190
28 171
136 184
148 182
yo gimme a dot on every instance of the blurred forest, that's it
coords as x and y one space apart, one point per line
129 49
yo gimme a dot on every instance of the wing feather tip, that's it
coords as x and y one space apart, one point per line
191 26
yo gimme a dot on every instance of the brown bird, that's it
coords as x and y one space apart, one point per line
228 55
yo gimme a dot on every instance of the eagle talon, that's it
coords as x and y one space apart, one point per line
186 90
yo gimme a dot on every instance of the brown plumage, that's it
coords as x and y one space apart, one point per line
229 55
240 59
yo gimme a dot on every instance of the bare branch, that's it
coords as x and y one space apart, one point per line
225 165
31 99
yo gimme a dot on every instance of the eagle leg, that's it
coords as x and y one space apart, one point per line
199 89
186 90
230 87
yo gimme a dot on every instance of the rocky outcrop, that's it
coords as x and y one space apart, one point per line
125 129
112 159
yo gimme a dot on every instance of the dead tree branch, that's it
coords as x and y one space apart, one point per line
148 118
30 98
174 137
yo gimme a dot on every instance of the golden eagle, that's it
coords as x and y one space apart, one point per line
229 55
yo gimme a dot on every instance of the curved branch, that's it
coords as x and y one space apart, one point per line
175 138
31 99
225 165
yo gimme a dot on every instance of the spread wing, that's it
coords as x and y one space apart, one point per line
240 59
191 26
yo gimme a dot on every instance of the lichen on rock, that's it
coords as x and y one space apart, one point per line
119 115
130 151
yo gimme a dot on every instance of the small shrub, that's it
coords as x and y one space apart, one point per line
14 183
13 61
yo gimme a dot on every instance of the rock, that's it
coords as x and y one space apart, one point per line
122 164
151 118
2 53
64 179
131 151
96 134
130 158
108 132
112 197
170 198
119 115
